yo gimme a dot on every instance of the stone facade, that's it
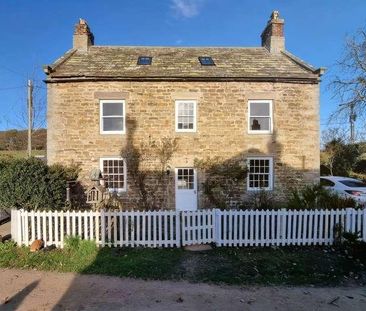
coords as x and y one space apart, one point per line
87 74
222 125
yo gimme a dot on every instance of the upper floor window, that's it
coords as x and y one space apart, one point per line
112 116
114 173
185 115
260 116
260 173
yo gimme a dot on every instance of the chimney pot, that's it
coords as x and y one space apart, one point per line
83 37
273 35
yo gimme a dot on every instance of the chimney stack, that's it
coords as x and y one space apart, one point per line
272 36
83 38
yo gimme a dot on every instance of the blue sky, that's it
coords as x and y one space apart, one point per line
37 32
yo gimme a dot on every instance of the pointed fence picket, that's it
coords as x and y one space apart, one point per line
169 228
286 227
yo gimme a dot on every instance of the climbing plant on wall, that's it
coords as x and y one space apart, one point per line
223 180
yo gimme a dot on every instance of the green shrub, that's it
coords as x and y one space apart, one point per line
360 166
317 197
354 245
31 184
261 200
351 238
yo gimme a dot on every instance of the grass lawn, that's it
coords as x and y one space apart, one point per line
240 266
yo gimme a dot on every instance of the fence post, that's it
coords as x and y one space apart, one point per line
283 216
26 227
178 228
14 225
348 219
217 227
102 227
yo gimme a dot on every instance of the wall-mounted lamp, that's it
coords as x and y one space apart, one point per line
168 168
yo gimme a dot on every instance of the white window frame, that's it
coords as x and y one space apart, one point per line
106 101
271 173
177 103
250 131
124 189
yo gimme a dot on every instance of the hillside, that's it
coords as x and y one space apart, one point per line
15 140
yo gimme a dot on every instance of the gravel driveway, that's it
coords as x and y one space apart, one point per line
36 290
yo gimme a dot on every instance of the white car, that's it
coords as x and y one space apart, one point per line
345 186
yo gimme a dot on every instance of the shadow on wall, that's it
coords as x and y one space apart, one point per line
222 183
148 172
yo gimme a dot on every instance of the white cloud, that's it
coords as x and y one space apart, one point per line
187 8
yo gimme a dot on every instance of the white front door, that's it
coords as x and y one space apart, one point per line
185 189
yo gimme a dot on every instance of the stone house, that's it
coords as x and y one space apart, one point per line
255 105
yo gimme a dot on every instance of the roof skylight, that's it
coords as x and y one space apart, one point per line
144 60
206 61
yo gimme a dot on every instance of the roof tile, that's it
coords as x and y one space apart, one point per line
176 62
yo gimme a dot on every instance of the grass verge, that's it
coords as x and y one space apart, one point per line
318 266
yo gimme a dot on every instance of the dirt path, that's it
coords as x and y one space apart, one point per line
35 290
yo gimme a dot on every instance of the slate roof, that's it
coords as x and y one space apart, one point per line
180 63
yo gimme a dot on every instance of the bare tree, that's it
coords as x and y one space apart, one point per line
349 85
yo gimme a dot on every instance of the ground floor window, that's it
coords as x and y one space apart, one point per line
114 173
260 173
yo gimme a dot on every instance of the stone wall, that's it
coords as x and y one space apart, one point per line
222 125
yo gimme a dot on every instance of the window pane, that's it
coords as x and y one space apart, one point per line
112 109
185 179
113 173
259 173
113 124
260 124
144 60
259 109
185 115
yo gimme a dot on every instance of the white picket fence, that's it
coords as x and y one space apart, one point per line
174 229
107 228
286 227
